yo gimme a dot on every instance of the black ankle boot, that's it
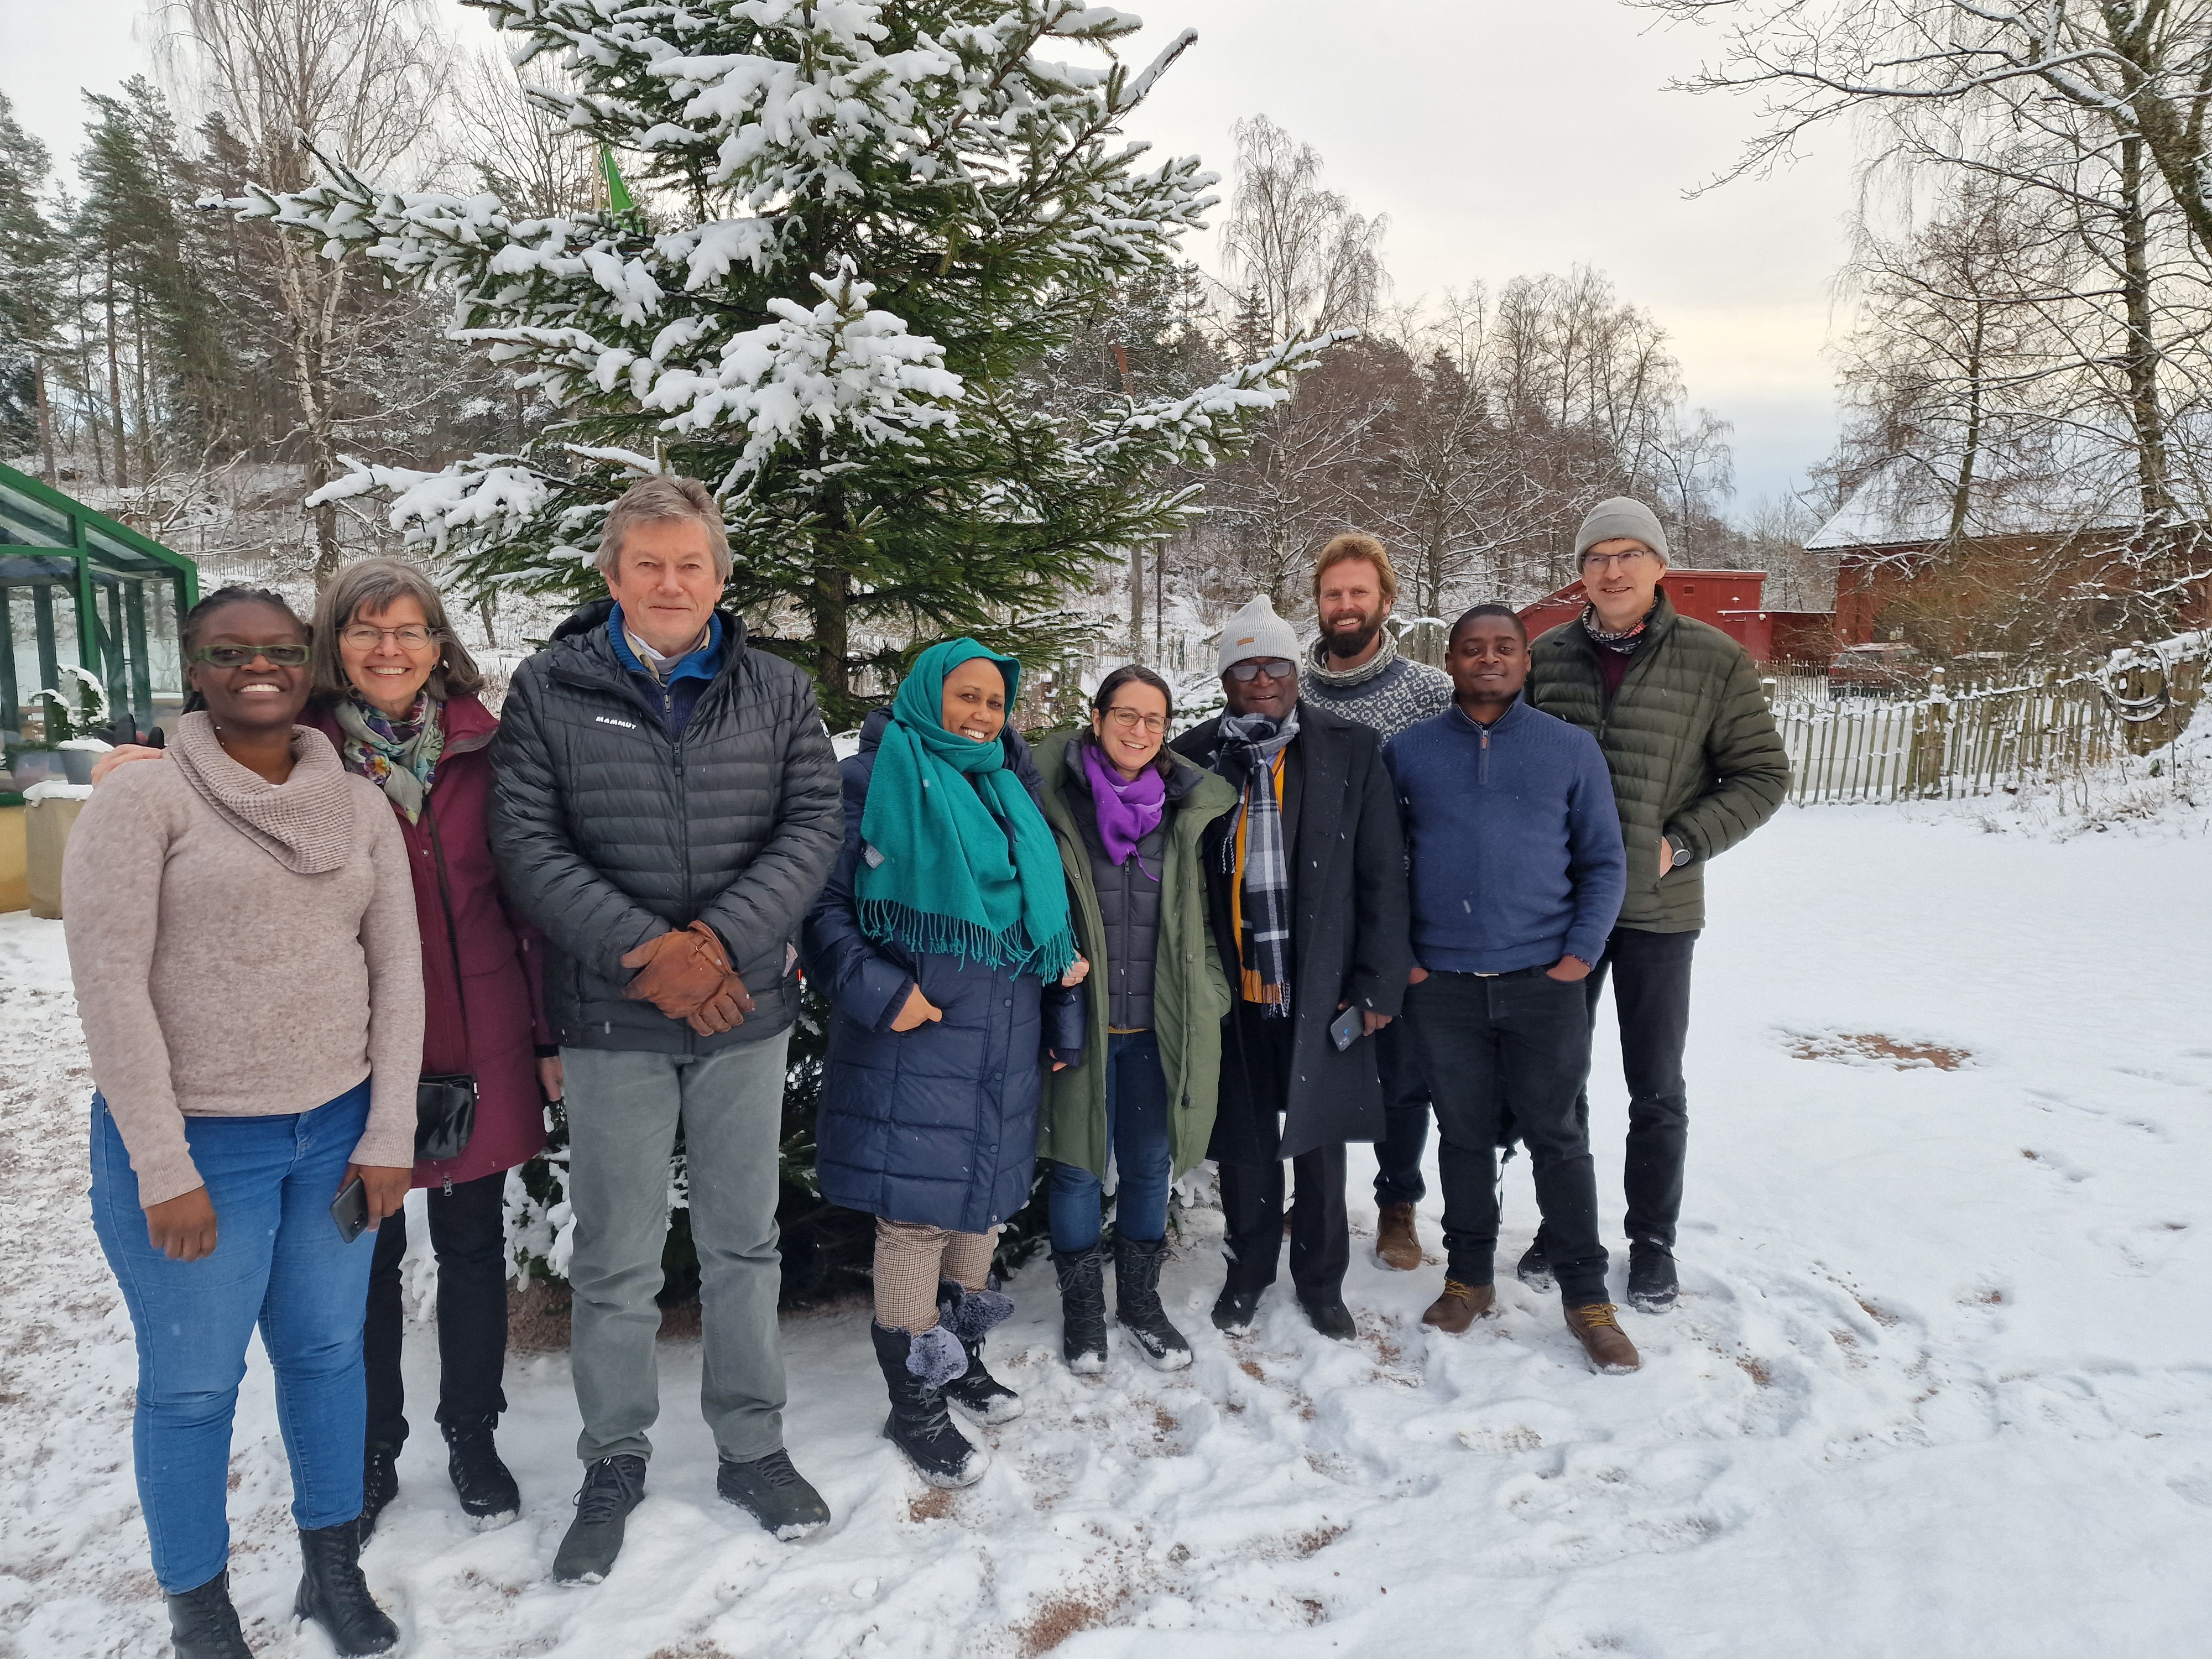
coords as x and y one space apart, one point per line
1137 1302
380 1483
1082 1308
916 1370
489 1495
969 1316
335 1595
205 1626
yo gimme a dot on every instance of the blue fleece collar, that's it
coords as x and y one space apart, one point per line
700 665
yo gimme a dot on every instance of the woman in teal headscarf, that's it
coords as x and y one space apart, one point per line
944 946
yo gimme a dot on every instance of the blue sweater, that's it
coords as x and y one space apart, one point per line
1513 838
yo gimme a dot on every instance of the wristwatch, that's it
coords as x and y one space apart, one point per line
1681 857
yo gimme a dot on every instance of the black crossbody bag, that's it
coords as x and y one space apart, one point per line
446 1104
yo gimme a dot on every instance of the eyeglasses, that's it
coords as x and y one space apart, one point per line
1275 668
1607 561
237 656
363 637
1129 720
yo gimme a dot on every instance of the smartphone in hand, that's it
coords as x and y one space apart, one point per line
1345 1030
349 1209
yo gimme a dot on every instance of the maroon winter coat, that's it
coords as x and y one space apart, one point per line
502 958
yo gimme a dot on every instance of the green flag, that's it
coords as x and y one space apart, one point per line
618 200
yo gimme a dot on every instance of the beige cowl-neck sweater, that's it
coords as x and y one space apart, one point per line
243 949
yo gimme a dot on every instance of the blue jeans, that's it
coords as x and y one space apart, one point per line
1137 1125
278 1263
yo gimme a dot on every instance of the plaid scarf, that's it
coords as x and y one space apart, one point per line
1251 743
1625 640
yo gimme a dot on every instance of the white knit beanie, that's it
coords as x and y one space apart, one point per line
1256 631
1623 517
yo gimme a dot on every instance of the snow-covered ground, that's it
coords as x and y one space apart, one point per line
1940 1383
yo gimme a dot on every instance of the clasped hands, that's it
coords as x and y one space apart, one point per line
686 975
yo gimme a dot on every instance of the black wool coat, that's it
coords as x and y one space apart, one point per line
609 831
1350 941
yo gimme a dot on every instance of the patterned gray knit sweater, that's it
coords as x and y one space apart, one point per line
1387 693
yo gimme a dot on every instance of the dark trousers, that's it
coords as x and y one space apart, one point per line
1518 1043
1651 975
468 1233
1252 1193
1405 1118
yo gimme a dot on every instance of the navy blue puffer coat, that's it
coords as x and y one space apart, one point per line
937 1125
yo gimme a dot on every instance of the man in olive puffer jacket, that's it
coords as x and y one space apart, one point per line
1696 765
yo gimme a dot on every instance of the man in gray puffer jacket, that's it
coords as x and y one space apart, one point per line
666 808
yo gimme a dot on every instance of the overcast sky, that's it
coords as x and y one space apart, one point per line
1501 136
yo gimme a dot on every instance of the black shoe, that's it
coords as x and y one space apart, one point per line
916 1370
335 1595
1137 1265
1082 1308
971 1315
489 1497
1534 1267
380 1483
205 1626
612 1487
773 1493
1234 1310
1331 1318
1651 1283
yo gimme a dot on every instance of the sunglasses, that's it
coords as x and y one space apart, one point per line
238 656
1275 668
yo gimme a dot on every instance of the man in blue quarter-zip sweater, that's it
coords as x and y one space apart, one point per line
1517 873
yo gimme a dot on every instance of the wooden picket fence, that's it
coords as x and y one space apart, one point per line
1946 744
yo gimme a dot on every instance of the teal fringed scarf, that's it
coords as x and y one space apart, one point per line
968 867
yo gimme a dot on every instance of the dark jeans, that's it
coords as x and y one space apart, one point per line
1651 975
1519 1042
467 1231
1405 1118
1137 1129
1252 1193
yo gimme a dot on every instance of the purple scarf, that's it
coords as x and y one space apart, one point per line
1128 810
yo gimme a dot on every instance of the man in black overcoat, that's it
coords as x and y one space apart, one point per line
1307 885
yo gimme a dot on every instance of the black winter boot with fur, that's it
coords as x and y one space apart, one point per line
969 1316
916 1370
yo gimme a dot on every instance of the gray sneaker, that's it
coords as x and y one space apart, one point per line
773 1493
612 1487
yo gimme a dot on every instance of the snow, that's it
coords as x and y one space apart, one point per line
1938 1384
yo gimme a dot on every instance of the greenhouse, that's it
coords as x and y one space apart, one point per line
92 608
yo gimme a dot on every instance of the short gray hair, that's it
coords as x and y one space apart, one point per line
374 586
659 500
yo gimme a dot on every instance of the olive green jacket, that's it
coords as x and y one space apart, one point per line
1691 744
1190 992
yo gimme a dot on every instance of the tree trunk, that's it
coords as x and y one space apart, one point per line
1962 494
2145 413
45 421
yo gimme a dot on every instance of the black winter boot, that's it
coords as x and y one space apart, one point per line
1534 1267
1652 1286
773 1493
489 1497
380 1483
1137 1302
969 1315
205 1626
1082 1308
916 1370
335 1595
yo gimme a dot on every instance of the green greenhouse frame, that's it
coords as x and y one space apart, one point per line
124 594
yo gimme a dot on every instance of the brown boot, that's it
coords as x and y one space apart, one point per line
1396 1244
1460 1306
1598 1330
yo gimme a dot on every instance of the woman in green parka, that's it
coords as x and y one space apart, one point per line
1127 813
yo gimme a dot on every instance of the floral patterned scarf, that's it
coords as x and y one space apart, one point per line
400 757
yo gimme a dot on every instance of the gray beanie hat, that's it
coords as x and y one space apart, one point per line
1255 631
1623 517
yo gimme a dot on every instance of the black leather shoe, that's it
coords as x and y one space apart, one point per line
1234 1310
773 1493
334 1594
1651 1283
612 1487
1331 1318
380 1483
203 1625
488 1496
1535 1268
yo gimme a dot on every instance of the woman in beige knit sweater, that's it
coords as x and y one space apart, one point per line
241 929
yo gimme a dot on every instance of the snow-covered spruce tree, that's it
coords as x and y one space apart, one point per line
866 226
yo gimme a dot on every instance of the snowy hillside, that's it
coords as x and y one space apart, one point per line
1939 1384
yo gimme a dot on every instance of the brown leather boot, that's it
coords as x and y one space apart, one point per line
1598 1329
1396 1243
1460 1306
